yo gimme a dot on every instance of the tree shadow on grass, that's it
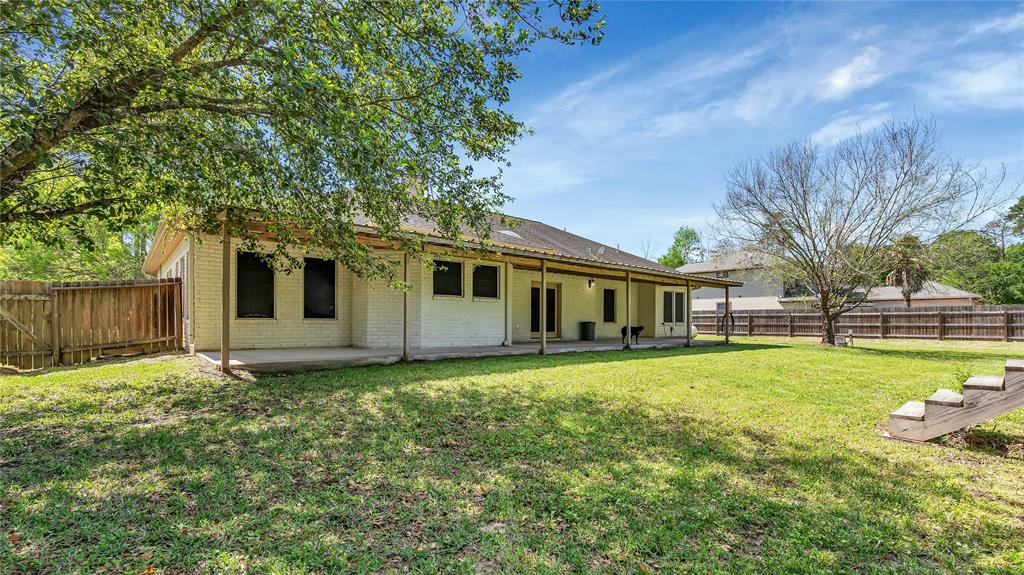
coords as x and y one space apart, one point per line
376 469
942 355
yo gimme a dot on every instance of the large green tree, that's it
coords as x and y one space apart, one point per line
305 113
959 258
685 248
1002 282
1016 217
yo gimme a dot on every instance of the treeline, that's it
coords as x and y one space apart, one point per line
984 262
89 253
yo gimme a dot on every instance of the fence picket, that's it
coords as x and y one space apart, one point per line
1004 323
77 322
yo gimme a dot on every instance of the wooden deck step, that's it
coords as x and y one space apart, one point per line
946 397
985 383
1014 373
912 410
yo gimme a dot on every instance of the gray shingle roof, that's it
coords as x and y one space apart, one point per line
736 260
534 236
931 290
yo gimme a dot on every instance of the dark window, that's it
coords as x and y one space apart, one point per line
447 278
485 281
318 289
666 313
609 305
680 308
254 287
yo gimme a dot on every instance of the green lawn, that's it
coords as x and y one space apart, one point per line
765 456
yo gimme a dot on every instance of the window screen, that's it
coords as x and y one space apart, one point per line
485 281
254 287
680 308
666 312
318 288
609 305
447 278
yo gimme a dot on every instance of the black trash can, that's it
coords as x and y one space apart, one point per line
588 330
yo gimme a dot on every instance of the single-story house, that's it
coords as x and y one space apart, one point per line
473 299
762 290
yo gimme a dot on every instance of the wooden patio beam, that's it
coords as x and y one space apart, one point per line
225 302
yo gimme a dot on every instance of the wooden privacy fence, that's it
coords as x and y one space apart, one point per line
994 323
43 324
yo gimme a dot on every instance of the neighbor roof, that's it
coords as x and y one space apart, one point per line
931 290
737 260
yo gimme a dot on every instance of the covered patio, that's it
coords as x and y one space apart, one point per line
314 358
542 290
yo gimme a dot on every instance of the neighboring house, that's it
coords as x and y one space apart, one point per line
471 299
761 290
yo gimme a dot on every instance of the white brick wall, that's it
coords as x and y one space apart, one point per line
451 321
287 329
370 313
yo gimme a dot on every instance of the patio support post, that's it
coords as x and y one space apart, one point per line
508 304
689 318
543 307
725 316
629 310
406 350
225 300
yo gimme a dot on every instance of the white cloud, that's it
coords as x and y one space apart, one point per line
850 123
861 72
994 81
531 176
1001 25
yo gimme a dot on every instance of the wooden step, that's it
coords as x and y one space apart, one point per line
985 383
1014 373
912 410
983 400
945 397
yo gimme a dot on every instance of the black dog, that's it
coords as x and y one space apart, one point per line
634 332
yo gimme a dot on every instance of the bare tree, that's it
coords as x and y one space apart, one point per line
827 215
1000 229
647 247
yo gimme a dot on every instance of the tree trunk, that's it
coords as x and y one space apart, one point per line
828 328
906 296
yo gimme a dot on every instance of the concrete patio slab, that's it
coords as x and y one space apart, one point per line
313 358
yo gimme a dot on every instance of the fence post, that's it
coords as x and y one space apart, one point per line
789 317
54 325
750 324
942 325
1006 325
881 325
176 296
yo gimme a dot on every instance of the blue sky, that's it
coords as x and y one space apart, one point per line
633 137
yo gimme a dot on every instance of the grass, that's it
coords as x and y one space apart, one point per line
764 456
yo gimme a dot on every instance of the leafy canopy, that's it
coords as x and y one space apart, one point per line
307 114
1016 217
685 248
94 254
